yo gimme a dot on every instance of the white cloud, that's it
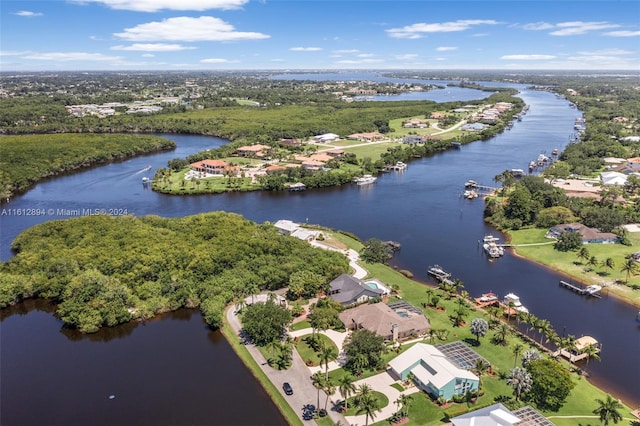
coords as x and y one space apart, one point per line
359 61
305 49
537 26
148 55
579 27
27 13
217 61
153 47
346 51
527 57
607 52
417 30
623 33
71 56
406 57
446 48
204 28
14 52
365 55
156 5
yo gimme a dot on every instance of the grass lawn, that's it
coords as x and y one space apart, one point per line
373 151
299 326
178 185
308 355
382 399
569 263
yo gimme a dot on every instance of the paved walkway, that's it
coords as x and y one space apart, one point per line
304 394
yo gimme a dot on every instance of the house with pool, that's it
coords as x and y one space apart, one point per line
348 290
433 372
395 321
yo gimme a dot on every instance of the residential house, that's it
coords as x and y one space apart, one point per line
589 235
393 322
290 142
327 137
274 169
214 167
252 151
433 372
366 137
287 227
416 123
474 127
437 115
348 290
335 153
613 178
499 415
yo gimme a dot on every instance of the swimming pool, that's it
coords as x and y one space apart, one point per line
377 285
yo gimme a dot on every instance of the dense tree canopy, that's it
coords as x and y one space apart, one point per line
364 350
105 270
551 384
265 322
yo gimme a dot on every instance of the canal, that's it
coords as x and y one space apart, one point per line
176 365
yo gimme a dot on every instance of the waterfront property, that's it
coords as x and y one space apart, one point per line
394 322
348 290
579 350
499 415
589 235
293 229
210 167
433 372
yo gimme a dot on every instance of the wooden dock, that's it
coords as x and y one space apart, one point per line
580 289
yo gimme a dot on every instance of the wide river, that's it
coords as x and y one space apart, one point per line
174 370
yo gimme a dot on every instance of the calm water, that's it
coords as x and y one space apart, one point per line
420 208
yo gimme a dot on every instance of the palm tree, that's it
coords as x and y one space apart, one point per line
630 267
346 388
592 352
529 356
584 254
327 354
367 403
479 327
479 368
516 350
501 333
544 327
403 401
317 380
593 261
608 263
608 410
520 381
329 388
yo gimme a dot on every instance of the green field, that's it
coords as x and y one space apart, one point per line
612 280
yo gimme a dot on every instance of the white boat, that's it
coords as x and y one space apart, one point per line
400 166
592 289
365 180
470 194
439 273
491 247
488 297
517 305
471 184
145 179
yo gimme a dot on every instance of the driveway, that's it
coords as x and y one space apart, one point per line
298 376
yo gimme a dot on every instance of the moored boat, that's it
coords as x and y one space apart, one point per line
365 180
438 272
511 300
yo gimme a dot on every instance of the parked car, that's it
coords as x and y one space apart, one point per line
287 388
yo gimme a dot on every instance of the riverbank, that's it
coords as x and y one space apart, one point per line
614 281
580 403
28 160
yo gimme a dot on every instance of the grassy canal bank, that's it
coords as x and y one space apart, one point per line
499 351
614 280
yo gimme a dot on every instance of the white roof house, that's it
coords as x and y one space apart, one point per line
494 415
288 227
613 178
327 137
433 372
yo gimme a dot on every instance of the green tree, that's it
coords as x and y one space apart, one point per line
403 402
630 267
551 384
592 351
583 254
265 322
328 353
366 344
376 251
346 388
318 382
520 381
608 410
516 350
480 368
479 328
367 403
608 263
568 241
500 334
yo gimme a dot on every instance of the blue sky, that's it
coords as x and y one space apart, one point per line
107 35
